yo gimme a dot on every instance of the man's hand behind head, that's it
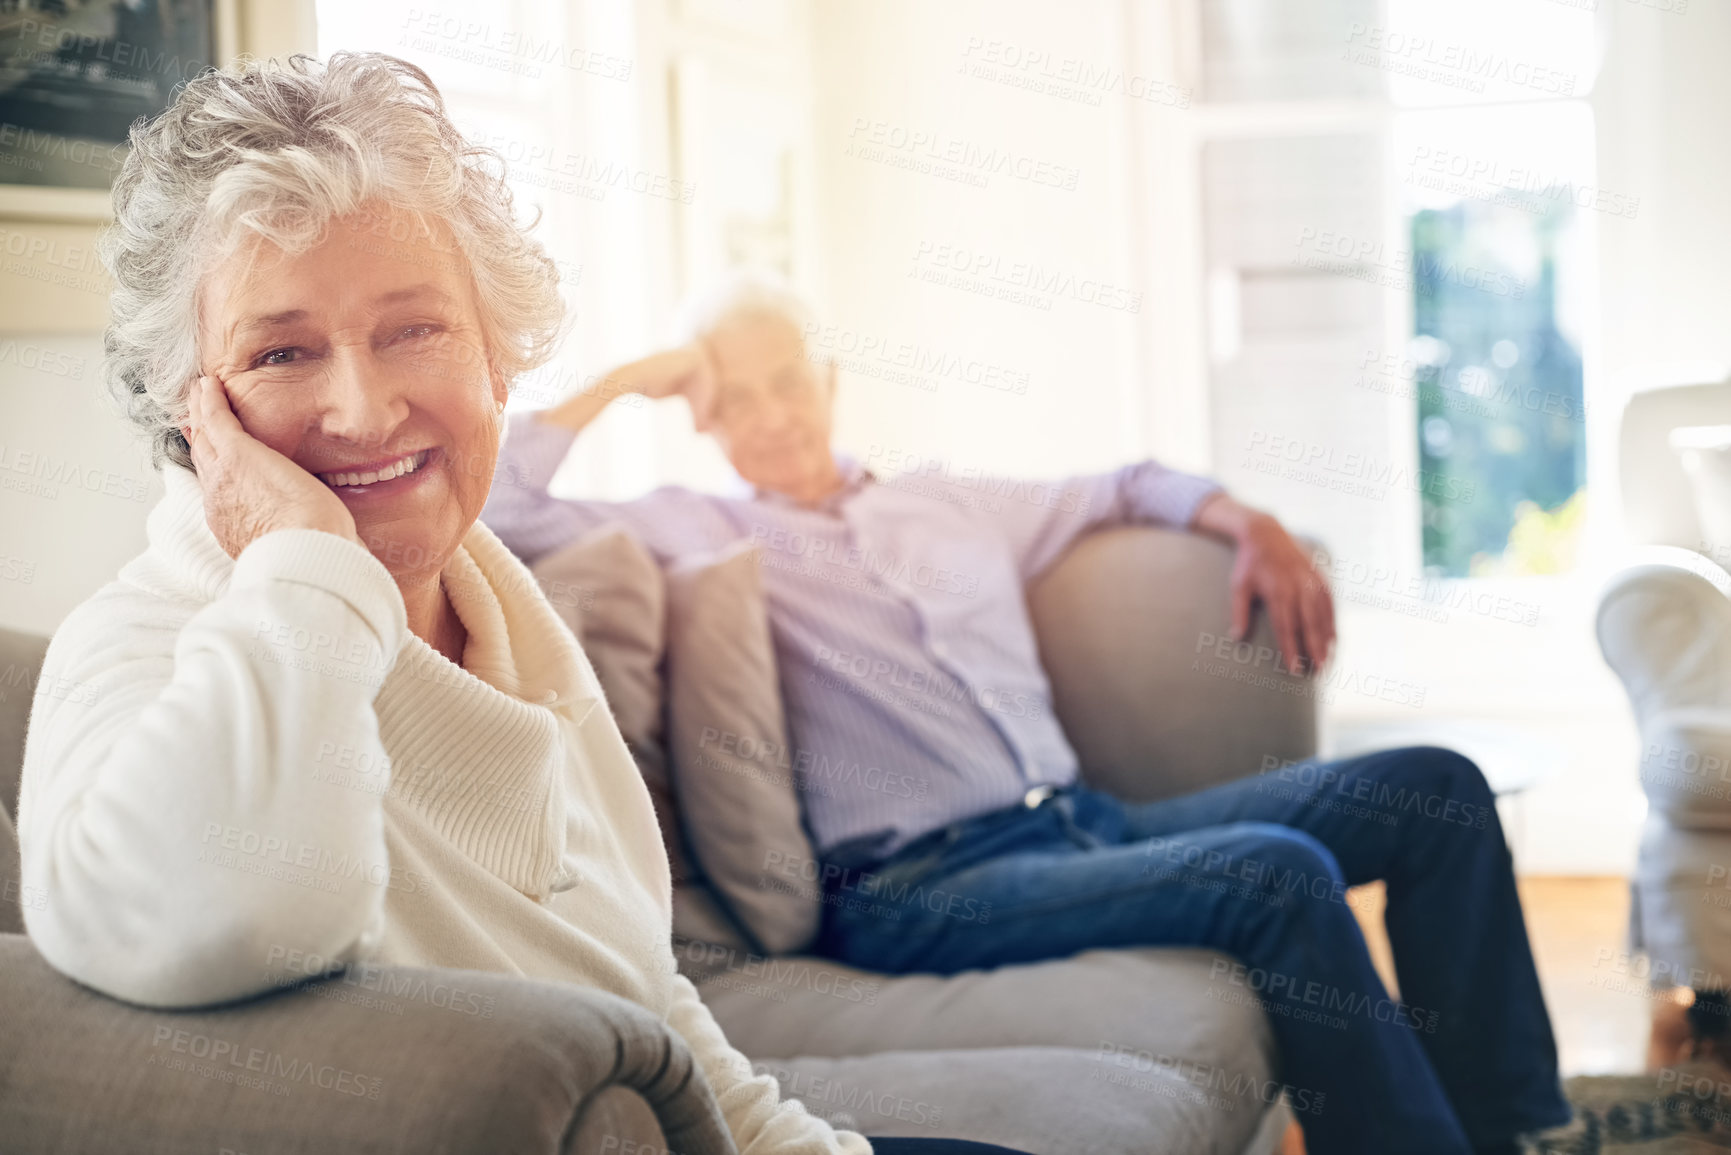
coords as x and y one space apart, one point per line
687 371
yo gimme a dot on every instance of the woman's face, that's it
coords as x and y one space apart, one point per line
364 355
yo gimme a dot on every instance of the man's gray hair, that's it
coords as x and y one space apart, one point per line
276 150
744 295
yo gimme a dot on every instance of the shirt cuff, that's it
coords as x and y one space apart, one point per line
1188 492
532 451
1168 497
334 564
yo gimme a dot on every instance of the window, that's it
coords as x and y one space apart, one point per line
1398 200
1501 441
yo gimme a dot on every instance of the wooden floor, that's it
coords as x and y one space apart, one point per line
1577 928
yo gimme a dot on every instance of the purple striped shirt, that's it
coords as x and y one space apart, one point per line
913 689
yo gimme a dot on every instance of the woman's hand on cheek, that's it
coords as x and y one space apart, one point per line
249 488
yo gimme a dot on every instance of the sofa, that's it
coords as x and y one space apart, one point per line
1111 1051
1664 627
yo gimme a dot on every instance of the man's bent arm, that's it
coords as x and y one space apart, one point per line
1042 519
671 522
528 519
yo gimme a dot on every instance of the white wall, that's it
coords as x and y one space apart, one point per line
1102 386
906 65
1662 106
1541 696
71 472
75 485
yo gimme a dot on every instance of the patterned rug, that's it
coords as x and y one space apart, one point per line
1684 1110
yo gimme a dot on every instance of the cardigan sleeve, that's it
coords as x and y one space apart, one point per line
181 810
761 1122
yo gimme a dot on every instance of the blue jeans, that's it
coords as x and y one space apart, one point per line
1258 869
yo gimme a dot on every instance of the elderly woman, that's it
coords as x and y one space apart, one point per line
331 716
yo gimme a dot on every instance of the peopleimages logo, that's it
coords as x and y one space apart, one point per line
33 145
1065 77
887 142
520 52
45 472
832 881
1463 173
301 862
253 1067
923 365
1450 64
1368 259
833 553
1191 1073
27 356
1351 473
1384 800
577 173
1275 989
1018 282
60 42
930 681
811 771
1060 496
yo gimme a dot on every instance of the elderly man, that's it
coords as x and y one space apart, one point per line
928 584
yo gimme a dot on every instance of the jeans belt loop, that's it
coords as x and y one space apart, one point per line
1038 795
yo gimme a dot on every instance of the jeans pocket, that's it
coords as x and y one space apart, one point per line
904 871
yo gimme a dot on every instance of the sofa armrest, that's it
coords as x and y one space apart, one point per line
381 1059
1134 630
1664 628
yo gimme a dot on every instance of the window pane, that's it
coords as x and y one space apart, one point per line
1497 266
1457 52
1283 49
1293 430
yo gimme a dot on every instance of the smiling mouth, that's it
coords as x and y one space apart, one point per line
360 479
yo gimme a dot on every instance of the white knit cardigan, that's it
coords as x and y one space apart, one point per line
240 772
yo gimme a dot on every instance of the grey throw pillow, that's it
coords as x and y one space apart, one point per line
728 740
610 592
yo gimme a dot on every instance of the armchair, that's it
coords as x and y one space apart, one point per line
388 1059
1664 627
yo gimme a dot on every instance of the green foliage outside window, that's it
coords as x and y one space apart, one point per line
1500 414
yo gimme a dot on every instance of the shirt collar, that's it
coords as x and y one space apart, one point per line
854 477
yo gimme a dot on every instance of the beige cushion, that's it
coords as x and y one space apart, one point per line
609 591
1139 616
1146 997
1100 1099
1109 1034
21 659
728 739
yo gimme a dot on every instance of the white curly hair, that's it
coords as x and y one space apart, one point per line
276 149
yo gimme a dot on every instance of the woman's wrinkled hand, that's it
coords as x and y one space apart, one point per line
249 488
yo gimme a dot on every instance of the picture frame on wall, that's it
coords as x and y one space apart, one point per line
74 76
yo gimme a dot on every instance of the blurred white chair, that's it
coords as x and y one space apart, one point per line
1664 626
